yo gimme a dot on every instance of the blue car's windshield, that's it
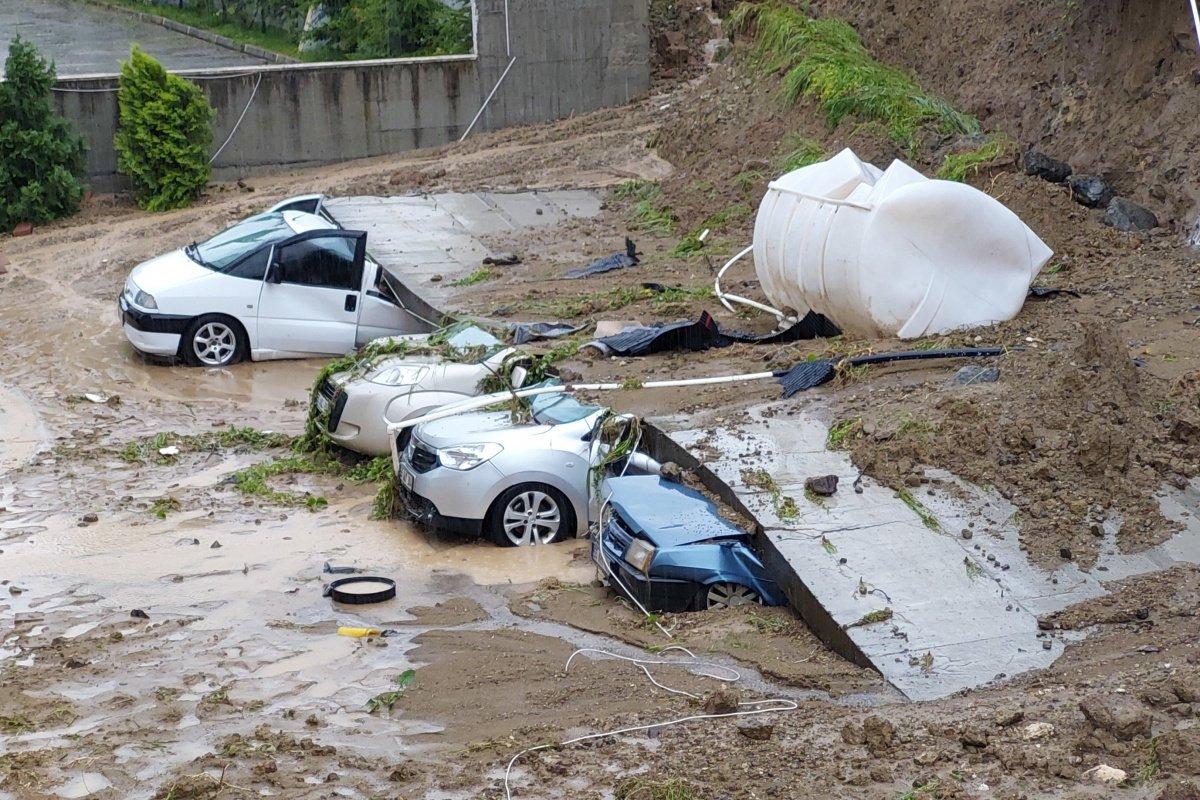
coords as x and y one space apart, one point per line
557 409
229 245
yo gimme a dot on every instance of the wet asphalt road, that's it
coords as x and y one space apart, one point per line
83 39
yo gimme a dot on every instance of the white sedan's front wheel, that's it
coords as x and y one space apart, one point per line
213 341
531 514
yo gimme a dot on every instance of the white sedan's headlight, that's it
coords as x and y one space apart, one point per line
468 456
145 300
397 375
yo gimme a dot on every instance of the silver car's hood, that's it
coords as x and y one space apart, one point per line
484 426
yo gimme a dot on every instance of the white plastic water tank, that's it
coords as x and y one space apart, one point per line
892 253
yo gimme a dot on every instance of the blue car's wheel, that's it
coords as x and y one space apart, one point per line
728 595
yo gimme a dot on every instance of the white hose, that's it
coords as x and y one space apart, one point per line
1196 21
726 299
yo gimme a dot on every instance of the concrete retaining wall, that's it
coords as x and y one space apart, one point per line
572 56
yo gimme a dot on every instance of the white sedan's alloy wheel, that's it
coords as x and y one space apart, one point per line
214 344
531 517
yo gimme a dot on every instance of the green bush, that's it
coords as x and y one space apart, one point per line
162 134
41 158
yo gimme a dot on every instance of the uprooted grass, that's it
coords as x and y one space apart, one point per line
478 276
146 450
799 152
649 212
256 480
926 516
387 700
785 506
825 60
640 787
616 298
960 166
692 242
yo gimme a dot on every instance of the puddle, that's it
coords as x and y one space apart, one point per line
83 785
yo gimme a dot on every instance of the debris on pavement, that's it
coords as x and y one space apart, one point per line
609 263
704 333
975 373
807 374
502 260
339 570
1046 292
523 332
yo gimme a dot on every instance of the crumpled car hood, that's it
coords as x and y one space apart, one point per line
667 514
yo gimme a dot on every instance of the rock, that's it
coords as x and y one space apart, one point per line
973 737
823 486
1179 790
722 701
756 731
878 734
1045 167
503 259
89 518
974 373
1122 717
215 545
137 613
852 733
23 229
671 471
1179 751
966 533
1104 774
1091 191
1007 717
1037 730
1126 215
1065 553
74 663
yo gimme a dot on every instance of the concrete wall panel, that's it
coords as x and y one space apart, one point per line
572 57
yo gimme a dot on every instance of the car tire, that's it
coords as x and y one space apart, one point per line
508 521
213 340
721 595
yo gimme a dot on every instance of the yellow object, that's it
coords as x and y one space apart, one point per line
359 633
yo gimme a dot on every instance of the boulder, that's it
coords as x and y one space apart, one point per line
1119 715
1091 191
1126 215
1105 774
756 730
1045 167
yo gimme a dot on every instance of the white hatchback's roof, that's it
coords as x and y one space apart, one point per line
301 221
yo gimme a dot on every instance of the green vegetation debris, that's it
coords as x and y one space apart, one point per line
146 450
799 152
829 546
841 431
873 618
960 166
785 507
616 298
973 570
825 60
650 212
163 506
1151 766
389 698
478 276
927 517
643 788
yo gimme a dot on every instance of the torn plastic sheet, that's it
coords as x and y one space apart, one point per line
1046 292
609 263
808 374
703 334
523 332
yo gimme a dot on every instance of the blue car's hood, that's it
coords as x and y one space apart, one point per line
665 513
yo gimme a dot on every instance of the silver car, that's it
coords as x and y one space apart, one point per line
518 483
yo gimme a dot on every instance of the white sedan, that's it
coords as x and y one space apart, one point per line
288 283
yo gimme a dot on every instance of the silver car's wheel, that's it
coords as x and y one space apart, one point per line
728 595
214 344
531 517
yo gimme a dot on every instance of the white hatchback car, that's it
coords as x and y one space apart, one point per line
288 283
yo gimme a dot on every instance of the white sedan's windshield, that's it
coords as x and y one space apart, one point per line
231 244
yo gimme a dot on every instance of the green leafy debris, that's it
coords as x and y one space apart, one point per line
960 166
926 516
478 276
872 618
386 700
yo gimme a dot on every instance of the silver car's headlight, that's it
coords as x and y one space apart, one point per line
397 375
468 456
145 300
640 555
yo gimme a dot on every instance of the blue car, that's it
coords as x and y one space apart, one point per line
667 546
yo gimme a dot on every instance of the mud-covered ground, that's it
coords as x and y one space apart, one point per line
235 682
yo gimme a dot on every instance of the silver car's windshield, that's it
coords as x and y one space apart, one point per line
557 409
231 244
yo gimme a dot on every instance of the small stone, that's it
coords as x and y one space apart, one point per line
973 738
1126 215
1090 191
974 373
1037 730
214 545
823 486
1104 774
1007 717
74 663
1065 553
436 279
721 701
1045 167
756 731
137 613
23 229
89 518
1047 644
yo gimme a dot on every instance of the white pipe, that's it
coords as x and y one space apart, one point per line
727 298
472 404
1196 21
709 381
491 94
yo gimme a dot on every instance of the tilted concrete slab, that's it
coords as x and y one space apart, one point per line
420 236
890 581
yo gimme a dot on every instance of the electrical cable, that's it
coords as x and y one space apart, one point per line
238 124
